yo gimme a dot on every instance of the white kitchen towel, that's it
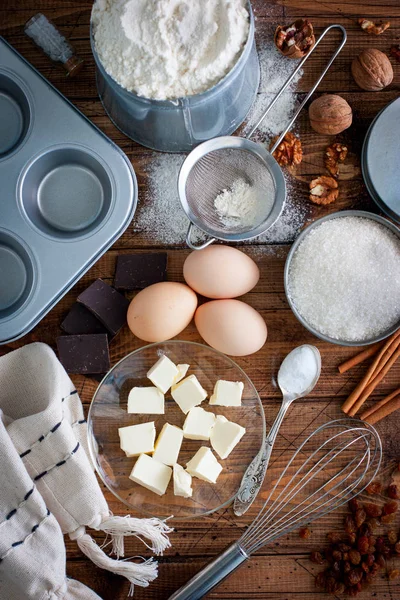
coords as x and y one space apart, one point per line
32 551
45 421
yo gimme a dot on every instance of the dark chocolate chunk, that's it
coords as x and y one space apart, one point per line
84 354
137 271
108 305
80 320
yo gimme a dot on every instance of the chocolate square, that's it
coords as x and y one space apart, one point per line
108 305
137 271
84 354
80 320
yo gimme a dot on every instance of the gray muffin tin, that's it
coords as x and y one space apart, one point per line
67 193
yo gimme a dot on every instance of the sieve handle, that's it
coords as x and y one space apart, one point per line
288 81
191 244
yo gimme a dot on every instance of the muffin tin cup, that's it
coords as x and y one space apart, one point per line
68 193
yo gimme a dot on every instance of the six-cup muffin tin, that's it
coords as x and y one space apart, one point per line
66 194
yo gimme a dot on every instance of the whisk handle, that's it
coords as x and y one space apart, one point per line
212 574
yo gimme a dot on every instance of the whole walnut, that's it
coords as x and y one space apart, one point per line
372 70
330 114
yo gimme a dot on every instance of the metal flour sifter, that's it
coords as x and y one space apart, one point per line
216 164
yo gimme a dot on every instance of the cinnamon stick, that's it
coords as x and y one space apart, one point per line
360 357
379 404
384 411
379 361
380 374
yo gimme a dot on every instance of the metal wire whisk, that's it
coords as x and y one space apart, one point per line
332 465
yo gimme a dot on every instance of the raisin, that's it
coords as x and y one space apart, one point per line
392 536
393 492
304 533
334 536
349 525
360 516
346 566
336 555
375 568
380 561
375 487
388 518
317 558
372 510
370 559
354 505
372 524
351 538
354 557
354 576
393 574
365 567
336 568
397 548
363 544
339 588
344 547
390 507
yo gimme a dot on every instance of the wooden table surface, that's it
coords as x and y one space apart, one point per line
281 571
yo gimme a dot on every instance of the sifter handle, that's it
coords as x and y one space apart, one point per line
191 244
212 574
285 85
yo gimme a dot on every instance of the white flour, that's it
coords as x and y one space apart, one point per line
166 49
239 206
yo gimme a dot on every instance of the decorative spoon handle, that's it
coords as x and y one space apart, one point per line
254 475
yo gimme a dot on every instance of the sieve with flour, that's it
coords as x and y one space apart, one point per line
216 164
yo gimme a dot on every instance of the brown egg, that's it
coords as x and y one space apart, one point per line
231 326
220 272
161 311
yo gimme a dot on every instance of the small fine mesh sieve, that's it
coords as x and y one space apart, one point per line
217 164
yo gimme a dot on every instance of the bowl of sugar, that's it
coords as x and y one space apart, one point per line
342 278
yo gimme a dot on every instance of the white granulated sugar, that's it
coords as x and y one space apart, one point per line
166 49
345 279
275 69
242 204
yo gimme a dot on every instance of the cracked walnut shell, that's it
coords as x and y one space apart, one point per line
324 190
330 114
372 70
295 40
335 154
289 152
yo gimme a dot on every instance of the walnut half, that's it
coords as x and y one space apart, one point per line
289 152
370 27
335 154
323 190
295 40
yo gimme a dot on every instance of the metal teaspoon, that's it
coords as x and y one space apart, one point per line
255 472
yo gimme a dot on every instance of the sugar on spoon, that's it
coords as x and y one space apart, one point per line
297 377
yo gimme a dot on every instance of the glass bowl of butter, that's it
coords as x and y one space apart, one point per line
173 427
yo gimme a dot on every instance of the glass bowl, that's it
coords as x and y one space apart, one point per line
108 412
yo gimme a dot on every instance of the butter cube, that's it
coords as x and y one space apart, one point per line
151 474
198 424
163 373
225 435
168 444
204 465
227 393
182 482
137 439
146 401
183 369
188 393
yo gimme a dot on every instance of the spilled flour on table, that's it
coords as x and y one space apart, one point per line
161 216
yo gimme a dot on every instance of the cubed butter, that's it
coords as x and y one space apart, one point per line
163 373
146 401
137 439
182 482
204 465
188 393
183 369
225 435
227 393
198 424
168 444
151 474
